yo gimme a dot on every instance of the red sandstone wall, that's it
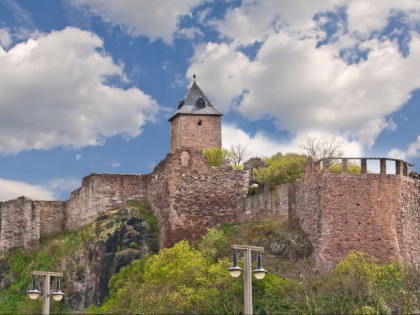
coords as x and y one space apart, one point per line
198 197
100 193
408 226
185 132
374 213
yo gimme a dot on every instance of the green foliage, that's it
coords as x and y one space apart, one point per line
214 245
353 168
215 156
177 280
281 169
53 249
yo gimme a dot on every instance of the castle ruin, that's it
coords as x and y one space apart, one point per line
375 213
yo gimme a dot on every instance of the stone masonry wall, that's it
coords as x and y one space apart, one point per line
196 131
408 226
19 224
52 216
199 197
374 213
268 204
100 193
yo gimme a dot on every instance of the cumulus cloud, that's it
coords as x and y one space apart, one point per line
413 151
261 144
305 85
5 37
11 189
54 92
153 19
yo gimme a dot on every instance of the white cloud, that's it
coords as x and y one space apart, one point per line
53 93
11 189
5 38
78 157
154 19
413 151
305 86
262 145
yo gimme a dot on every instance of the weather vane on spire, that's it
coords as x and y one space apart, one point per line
194 76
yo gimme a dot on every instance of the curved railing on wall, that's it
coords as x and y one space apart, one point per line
401 167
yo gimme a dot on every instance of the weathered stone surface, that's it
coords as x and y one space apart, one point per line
120 238
197 131
100 193
190 198
374 213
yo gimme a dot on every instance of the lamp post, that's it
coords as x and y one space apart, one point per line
34 293
259 272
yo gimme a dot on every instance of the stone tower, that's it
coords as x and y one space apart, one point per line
196 123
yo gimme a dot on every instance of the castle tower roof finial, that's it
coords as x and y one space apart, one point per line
194 76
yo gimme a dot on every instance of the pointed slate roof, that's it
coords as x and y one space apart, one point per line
195 103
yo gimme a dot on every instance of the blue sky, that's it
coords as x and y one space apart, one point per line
87 86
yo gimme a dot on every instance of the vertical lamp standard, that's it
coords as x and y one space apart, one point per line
34 293
259 272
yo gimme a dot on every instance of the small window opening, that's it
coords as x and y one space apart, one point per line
201 102
200 122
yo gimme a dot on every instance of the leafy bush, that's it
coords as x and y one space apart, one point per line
281 169
215 156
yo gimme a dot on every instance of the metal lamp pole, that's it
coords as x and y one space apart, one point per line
259 272
57 295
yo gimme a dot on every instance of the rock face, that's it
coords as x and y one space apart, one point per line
119 238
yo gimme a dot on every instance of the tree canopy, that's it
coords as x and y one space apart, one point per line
281 168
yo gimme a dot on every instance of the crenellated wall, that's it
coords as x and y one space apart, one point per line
375 213
190 197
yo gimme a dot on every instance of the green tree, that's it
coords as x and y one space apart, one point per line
281 169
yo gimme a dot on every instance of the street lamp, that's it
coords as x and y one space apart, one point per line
34 293
259 272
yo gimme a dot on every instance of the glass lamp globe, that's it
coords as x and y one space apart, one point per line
259 272
34 294
57 295
235 271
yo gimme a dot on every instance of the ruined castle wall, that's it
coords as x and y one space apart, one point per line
199 197
196 131
52 216
268 204
19 224
308 207
367 212
100 193
408 227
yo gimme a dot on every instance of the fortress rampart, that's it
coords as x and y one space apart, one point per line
375 213
187 196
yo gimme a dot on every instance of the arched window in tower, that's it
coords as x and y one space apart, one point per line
200 122
201 103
